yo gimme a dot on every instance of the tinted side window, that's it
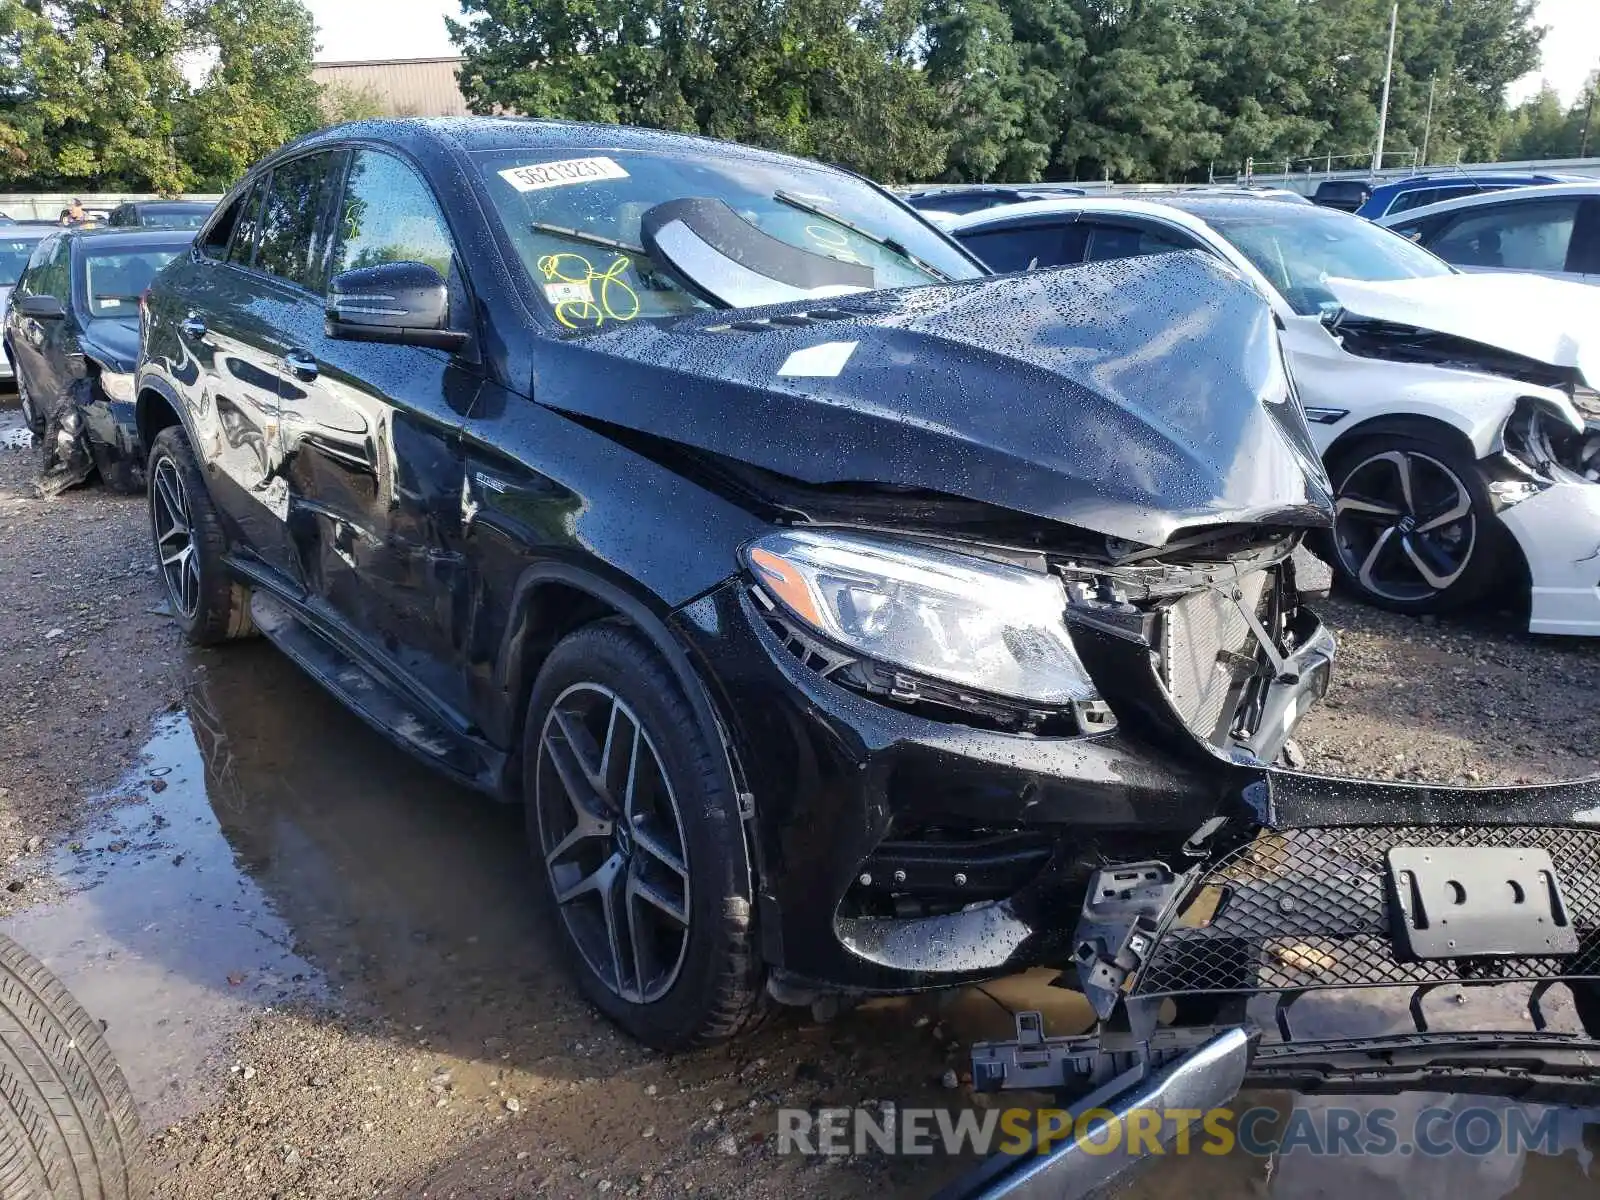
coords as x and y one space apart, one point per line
1529 236
243 249
389 215
288 244
1014 249
1422 197
33 276
220 234
51 277
1125 241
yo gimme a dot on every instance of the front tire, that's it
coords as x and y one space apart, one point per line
1414 526
191 547
632 819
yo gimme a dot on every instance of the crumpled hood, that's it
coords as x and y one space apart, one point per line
1131 398
114 343
1553 321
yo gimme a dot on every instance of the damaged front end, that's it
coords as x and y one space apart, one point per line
1198 965
90 426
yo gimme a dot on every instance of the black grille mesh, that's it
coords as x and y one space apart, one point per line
1307 908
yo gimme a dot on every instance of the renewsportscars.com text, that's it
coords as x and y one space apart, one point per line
1259 1131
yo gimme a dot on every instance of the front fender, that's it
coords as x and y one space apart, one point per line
1474 404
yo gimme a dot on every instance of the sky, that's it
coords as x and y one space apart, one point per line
1571 48
356 29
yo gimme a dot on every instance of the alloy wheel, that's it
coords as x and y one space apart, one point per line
1404 525
613 842
174 534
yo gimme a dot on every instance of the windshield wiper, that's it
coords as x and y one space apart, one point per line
592 239
890 244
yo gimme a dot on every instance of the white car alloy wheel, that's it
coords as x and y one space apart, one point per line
613 843
1404 525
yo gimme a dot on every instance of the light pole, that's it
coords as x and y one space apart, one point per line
1427 125
1388 71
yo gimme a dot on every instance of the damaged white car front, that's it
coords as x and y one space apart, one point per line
1461 426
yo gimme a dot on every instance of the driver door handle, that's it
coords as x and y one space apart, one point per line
301 365
193 328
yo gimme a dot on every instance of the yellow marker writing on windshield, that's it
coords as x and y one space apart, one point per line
608 294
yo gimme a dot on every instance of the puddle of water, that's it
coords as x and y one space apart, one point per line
161 935
282 850
14 434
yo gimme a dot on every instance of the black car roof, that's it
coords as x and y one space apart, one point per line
134 239
170 204
477 134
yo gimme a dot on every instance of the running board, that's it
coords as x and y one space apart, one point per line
373 699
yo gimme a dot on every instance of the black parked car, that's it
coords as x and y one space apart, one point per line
161 214
71 337
846 619
960 200
1346 194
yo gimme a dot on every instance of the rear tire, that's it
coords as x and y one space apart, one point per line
209 605
613 818
1414 526
69 1129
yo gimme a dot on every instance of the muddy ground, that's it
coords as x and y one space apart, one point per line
322 969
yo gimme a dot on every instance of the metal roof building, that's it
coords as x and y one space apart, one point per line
405 87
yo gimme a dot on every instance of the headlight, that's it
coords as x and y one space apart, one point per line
978 624
116 385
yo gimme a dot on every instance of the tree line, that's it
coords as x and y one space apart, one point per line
976 90
178 95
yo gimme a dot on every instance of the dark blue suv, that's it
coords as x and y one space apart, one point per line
1418 191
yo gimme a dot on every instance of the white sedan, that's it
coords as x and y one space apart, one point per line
1456 413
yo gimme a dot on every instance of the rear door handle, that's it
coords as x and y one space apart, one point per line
301 365
193 328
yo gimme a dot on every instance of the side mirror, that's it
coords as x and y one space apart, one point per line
402 303
41 308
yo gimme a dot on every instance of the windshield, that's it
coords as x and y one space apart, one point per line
576 219
1298 256
14 255
112 282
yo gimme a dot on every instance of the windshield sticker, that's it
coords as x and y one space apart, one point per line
834 243
585 298
569 293
818 362
568 171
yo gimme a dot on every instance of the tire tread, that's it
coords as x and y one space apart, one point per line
69 1122
736 1000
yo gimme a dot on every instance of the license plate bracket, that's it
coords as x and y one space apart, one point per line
1477 902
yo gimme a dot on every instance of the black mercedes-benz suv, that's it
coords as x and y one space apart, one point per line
846 619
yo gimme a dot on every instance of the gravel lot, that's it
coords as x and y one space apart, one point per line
397 1024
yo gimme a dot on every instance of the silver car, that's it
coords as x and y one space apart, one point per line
16 246
1553 230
